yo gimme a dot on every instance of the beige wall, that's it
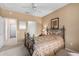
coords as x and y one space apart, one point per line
69 17
21 16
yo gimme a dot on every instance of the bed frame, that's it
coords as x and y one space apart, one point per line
55 30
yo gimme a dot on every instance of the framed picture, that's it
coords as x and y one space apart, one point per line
55 23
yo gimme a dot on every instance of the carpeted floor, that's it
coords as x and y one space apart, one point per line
65 52
62 52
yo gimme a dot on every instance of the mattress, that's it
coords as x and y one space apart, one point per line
47 45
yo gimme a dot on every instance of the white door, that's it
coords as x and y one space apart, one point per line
2 31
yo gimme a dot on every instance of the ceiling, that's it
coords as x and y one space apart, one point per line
36 9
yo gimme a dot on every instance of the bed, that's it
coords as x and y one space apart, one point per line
48 45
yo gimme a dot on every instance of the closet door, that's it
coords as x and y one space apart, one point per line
2 31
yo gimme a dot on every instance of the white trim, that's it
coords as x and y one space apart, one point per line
71 50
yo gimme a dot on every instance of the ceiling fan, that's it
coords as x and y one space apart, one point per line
33 9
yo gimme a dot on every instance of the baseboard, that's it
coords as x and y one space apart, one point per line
70 50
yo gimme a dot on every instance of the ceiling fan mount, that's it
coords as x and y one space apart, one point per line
33 9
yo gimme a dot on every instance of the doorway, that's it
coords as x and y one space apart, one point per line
11 31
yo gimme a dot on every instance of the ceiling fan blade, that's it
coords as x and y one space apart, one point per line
39 10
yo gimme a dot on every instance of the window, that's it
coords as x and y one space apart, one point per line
31 27
22 25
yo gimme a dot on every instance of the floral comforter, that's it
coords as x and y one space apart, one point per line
47 45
